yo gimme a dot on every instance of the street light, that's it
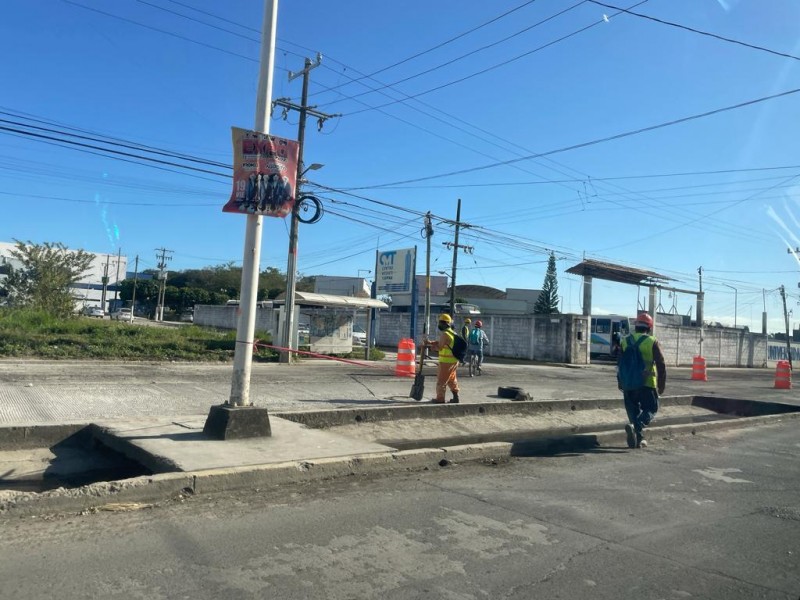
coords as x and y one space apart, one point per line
311 167
735 302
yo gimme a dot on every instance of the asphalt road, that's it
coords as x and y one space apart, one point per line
79 391
711 516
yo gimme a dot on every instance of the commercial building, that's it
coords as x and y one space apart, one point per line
99 287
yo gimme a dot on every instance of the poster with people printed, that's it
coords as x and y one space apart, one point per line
264 174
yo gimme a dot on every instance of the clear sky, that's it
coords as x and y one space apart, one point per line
462 100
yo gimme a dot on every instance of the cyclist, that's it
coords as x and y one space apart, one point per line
475 343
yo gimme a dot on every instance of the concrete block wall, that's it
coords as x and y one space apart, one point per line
721 347
226 317
543 338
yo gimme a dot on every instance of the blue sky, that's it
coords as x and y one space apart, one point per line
468 97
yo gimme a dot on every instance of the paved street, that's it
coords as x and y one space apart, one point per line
713 516
78 391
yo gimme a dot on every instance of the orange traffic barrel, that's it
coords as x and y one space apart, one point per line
699 369
406 355
783 375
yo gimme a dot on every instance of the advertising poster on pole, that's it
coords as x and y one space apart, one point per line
264 174
395 271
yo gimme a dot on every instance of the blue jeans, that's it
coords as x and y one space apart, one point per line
641 406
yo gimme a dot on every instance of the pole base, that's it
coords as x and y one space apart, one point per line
226 422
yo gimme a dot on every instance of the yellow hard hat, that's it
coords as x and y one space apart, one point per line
445 318
467 320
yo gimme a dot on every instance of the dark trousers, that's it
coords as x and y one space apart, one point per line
641 406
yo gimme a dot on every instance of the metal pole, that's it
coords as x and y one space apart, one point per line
291 268
116 283
700 299
786 320
735 303
245 329
135 280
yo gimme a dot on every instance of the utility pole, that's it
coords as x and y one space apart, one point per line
764 314
735 302
700 308
291 268
105 284
162 260
428 234
116 282
455 246
786 320
135 281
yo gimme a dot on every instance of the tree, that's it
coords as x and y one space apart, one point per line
547 302
44 279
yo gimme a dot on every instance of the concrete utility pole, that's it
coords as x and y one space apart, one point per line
291 268
455 246
428 233
246 324
162 258
764 314
700 308
786 320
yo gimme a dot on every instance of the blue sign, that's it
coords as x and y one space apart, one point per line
395 271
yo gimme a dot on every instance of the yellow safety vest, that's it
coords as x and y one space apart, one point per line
446 352
646 348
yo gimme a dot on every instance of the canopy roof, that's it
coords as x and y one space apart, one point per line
618 273
309 298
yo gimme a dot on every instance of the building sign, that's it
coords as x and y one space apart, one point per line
264 174
395 271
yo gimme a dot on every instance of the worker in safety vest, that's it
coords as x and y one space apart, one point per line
641 404
448 364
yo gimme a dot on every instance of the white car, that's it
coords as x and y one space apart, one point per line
122 314
95 311
359 336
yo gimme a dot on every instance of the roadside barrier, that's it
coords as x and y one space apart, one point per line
699 369
406 354
783 375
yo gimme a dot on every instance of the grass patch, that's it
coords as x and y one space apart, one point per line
33 334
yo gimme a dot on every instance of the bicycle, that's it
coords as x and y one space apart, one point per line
472 363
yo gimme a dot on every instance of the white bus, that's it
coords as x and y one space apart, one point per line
607 332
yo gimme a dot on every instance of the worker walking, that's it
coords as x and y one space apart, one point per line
642 376
448 363
465 332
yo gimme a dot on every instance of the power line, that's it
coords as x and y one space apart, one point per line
453 60
436 47
593 142
697 31
495 66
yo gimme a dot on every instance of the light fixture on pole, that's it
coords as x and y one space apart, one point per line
735 302
311 167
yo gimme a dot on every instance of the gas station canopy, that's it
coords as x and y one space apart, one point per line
617 273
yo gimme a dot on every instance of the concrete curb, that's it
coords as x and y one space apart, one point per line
156 488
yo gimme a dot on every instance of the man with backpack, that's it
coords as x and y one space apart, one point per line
476 341
451 348
642 376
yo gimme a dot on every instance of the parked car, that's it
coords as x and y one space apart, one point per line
121 314
359 336
188 317
95 311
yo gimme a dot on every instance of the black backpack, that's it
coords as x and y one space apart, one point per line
631 369
459 347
